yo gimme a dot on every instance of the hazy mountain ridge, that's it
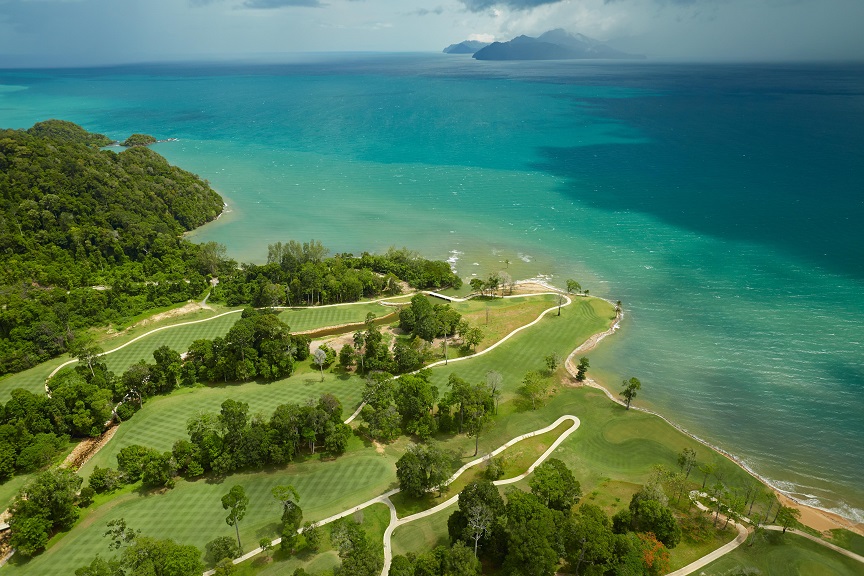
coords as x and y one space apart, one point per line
555 44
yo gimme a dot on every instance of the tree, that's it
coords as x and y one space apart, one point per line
162 558
422 468
479 519
531 536
312 535
630 388
460 562
573 286
120 534
552 361
553 483
347 356
493 383
235 501
582 369
320 359
266 545
473 337
45 504
358 554
222 547
534 387
686 461
100 567
706 469
589 538
788 517
655 556
292 514
210 257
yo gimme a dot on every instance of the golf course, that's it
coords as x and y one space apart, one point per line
612 451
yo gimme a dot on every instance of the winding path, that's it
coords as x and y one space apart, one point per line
395 521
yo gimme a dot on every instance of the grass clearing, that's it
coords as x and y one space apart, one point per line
784 555
423 535
505 314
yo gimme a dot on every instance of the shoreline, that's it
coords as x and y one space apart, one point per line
815 517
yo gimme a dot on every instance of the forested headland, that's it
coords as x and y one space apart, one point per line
91 237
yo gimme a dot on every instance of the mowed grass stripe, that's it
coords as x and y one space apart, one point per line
162 421
178 338
526 351
192 513
303 319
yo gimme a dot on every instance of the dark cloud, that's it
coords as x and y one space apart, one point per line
268 4
481 5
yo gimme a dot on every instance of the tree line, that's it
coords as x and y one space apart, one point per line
301 274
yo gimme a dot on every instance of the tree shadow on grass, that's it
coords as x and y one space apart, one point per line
270 530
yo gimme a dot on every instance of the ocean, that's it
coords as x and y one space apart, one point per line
722 204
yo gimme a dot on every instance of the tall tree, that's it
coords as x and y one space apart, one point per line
235 501
686 461
788 517
631 386
582 369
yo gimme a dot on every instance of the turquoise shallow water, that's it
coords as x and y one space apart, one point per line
721 204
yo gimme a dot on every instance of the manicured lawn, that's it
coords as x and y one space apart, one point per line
848 540
163 420
611 453
527 349
374 520
422 535
178 338
784 555
191 513
302 319
505 314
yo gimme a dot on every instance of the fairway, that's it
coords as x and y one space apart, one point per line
526 350
34 378
177 338
163 420
784 555
304 319
191 513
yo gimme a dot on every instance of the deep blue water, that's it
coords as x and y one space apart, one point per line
721 203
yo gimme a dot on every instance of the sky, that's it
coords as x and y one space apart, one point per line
95 32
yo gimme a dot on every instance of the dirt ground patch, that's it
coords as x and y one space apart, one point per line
87 448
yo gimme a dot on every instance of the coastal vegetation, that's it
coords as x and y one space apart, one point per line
139 140
88 237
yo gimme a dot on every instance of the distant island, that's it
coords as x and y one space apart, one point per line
555 44
466 47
